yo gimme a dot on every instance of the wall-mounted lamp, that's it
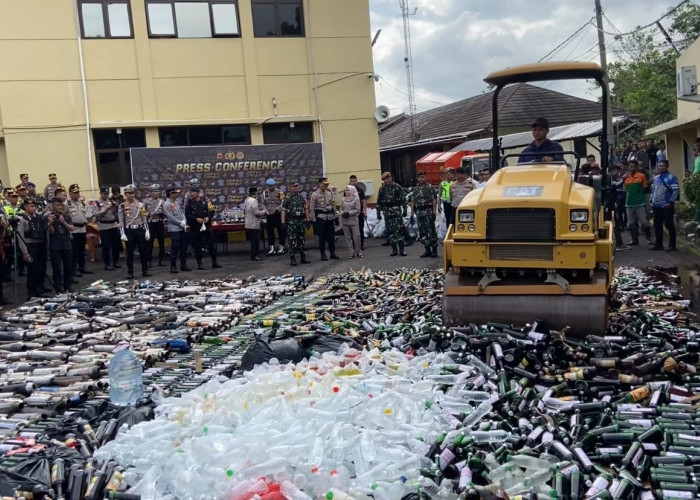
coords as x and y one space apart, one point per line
291 124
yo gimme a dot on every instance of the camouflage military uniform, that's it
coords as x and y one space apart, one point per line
295 217
391 200
424 197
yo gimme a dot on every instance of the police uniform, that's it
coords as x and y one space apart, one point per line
423 207
154 213
133 227
61 250
51 187
446 199
201 233
391 200
80 214
32 242
177 226
322 211
106 214
294 210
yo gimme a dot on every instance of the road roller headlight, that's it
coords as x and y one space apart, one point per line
579 216
573 228
466 216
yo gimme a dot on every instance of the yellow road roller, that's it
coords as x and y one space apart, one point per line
537 241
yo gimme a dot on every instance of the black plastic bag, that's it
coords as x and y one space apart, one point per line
328 343
263 350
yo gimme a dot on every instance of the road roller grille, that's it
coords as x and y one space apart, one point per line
521 224
521 252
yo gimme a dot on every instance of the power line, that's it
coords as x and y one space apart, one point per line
640 28
555 49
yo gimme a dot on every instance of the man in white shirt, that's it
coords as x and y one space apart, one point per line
253 214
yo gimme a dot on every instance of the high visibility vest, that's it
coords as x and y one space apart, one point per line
445 191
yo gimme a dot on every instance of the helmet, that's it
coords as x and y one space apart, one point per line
194 181
270 182
130 189
155 187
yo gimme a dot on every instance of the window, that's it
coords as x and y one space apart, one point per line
277 18
105 18
193 18
281 133
205 135
113 155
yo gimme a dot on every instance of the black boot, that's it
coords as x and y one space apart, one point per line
160 262
292 260
173 268
148 264
304 260
215 264
394 252
183 267
334 256
323 255
145 273
427 251
402 252
200 266
434 252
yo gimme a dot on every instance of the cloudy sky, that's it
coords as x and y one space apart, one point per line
456 43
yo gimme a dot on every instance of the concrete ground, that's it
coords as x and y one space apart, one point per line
238 264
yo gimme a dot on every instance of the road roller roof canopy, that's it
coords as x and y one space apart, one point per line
567 70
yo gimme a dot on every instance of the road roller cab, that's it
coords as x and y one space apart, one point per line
533 243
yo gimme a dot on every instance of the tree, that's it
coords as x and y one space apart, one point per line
643 81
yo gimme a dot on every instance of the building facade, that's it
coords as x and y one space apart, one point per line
82 81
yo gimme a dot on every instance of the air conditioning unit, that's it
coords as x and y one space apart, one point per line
368 186
686 81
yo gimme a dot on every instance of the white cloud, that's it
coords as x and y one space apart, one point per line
456 43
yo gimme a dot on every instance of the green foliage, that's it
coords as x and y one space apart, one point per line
691 190
643 81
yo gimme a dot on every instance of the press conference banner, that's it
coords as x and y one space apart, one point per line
226 172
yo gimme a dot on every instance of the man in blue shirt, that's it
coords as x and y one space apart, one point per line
546 150
664 193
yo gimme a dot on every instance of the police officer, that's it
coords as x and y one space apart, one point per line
32 243
446 196
39 199
424 206
60 246
154 213
106 215
391 200
50 189
271 201
12 211
322 212
199 213
177 227
295 215
133 227
80 214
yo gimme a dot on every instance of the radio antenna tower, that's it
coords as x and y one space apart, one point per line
408 61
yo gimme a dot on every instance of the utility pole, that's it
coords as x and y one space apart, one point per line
408 61
604 66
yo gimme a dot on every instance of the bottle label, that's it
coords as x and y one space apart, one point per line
446 458
640 393
465 477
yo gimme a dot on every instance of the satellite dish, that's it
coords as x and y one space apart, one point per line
381 114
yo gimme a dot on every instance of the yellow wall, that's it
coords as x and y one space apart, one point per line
143 82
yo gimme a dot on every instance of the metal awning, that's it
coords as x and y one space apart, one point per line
561 133
672 125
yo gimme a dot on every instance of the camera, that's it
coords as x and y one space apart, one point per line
14 221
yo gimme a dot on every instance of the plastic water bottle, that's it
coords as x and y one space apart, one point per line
125 377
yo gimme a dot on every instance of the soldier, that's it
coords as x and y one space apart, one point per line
424 206
106 215
133 227
60 246
32 243
322 211
295 215
154 213
199 213
80 214
392 201
177 227
50 189
271 201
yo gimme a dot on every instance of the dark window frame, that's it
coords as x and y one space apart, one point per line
276 4
121 151
188 128
211 18
281 125
105 19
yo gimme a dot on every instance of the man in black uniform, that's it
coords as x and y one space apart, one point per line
199 213
32 232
